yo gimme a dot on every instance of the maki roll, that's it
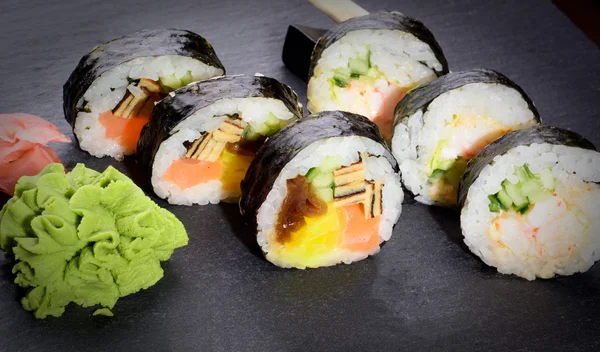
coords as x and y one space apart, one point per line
323 191
442 124
530 203
110 95
366 64
202 137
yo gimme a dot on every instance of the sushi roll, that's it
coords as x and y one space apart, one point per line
366 64
530 203
110 95
202 137
325 190
442 124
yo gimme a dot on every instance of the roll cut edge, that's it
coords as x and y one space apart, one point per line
529 203
382 20
109 96
444 123
202 137
366 64
323 191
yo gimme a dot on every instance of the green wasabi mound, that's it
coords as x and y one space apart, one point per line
84 237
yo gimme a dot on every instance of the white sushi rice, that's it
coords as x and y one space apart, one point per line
254 111
347 149
568 243
416 139
109 89
398 55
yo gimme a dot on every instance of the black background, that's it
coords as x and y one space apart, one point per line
424 290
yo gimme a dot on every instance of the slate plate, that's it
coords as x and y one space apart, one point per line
424 291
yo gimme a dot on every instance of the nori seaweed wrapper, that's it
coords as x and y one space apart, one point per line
157 42
185 101
422 96
534 135
280 149
380 20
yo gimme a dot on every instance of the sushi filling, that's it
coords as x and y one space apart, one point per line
208 153
370 79
542 219
223 154
361 88
124 123
532 211
113 111
347 231
466 137
434 144
332 207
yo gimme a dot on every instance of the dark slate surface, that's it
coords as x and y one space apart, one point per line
424 291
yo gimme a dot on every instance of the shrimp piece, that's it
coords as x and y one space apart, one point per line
550 230
509 229
376 101
471 134
382 113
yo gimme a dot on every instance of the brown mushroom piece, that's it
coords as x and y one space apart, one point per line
136 97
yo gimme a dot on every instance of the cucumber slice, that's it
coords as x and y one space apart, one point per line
272 121
170 82
504 199
323 180
529 173
521 174
524 210
547 179
250 134
272 131
341 77
354 75
358 66
373 72
539 196
446 164
436 175
340 81
326 194
260 128
495 205
312 173
330 164
187 78
515 194
332 85
530 187
534 191
342 71
455 172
